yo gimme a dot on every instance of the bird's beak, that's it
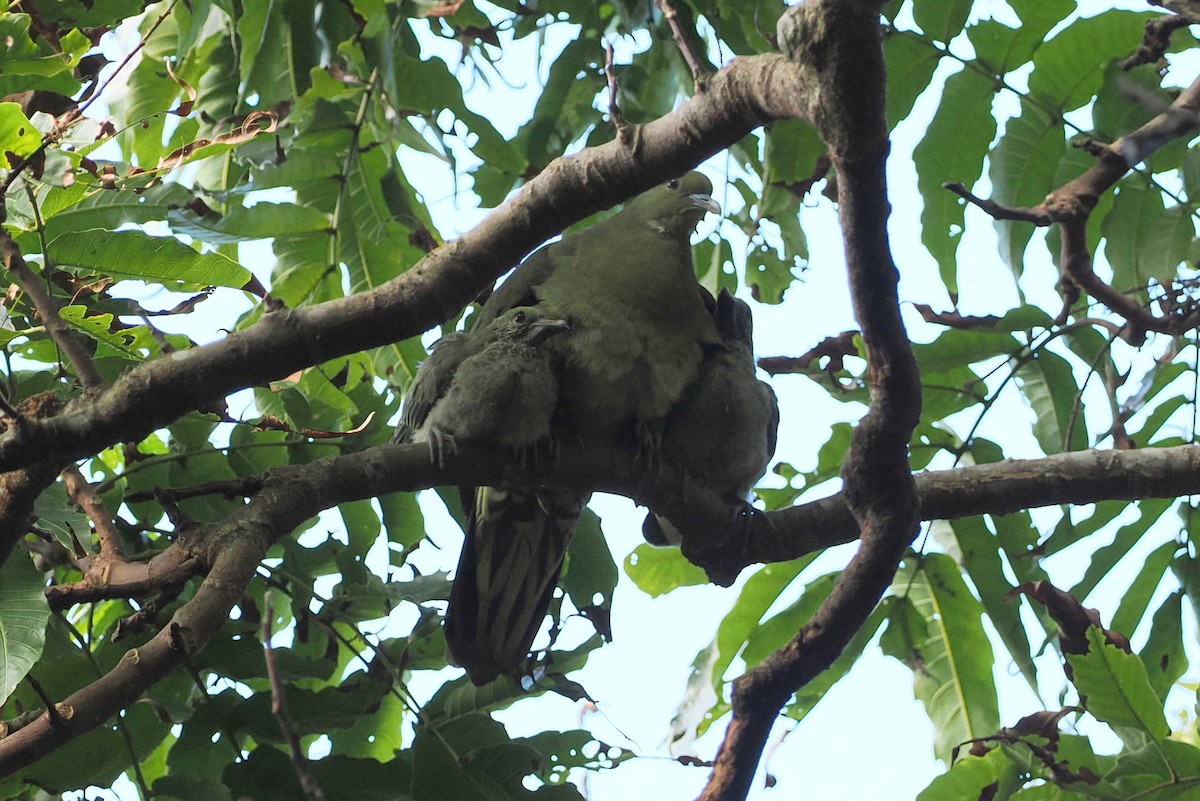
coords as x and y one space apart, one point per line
544 329
706 202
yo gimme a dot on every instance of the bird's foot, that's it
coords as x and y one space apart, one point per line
439 443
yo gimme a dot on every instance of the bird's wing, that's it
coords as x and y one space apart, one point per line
432 381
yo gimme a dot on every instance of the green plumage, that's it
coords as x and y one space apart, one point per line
639 331
628 287
723 431
495 385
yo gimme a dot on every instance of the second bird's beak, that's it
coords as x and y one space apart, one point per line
544 329
706 202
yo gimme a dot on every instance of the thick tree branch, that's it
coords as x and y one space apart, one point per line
20 488
290 495
740 97
839 43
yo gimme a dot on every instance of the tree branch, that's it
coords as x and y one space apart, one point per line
292 494
66 339
742 96
1071 205
839 42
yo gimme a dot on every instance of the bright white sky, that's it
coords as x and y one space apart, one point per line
868 738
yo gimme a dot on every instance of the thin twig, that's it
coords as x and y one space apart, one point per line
624 134
699 74
279 708
56 718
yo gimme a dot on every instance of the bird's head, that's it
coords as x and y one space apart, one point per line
529 324
676 206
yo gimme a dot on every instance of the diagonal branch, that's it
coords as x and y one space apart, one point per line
66 339
1071 205
740 97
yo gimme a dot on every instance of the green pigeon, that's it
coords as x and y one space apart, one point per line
723 431
638 333
494 385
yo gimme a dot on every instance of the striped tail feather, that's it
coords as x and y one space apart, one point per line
516 541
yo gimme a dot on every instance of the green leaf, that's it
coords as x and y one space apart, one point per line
806 698
1117 687
982 562
910 62
591 574
701 705
267 773
1048 385
1127 227
1127 536
77 209
958 347
791 151
973 777
941 20
936 630
1162 771
470 758
657 571
24 613
952 150
245 223
768 274
1136 598
1164 655
1069 69
1002 48
1023 166
134 255
17 133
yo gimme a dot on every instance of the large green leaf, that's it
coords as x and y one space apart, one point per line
1049 387
23 617
935 629
982 561
1127 536
1069 69
657 571
1117 687
1003 48
590 575
1164 654
941 20
1127 234
910 63
17 134
135 255
1136 598
1023 167
952 150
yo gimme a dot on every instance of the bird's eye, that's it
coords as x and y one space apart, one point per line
519 317
673 183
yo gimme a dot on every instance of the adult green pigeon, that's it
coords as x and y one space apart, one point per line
494 385
723 431
638 333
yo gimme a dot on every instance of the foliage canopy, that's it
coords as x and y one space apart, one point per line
157 528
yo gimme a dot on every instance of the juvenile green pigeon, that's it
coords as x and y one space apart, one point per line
494 385
722 433
639 331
